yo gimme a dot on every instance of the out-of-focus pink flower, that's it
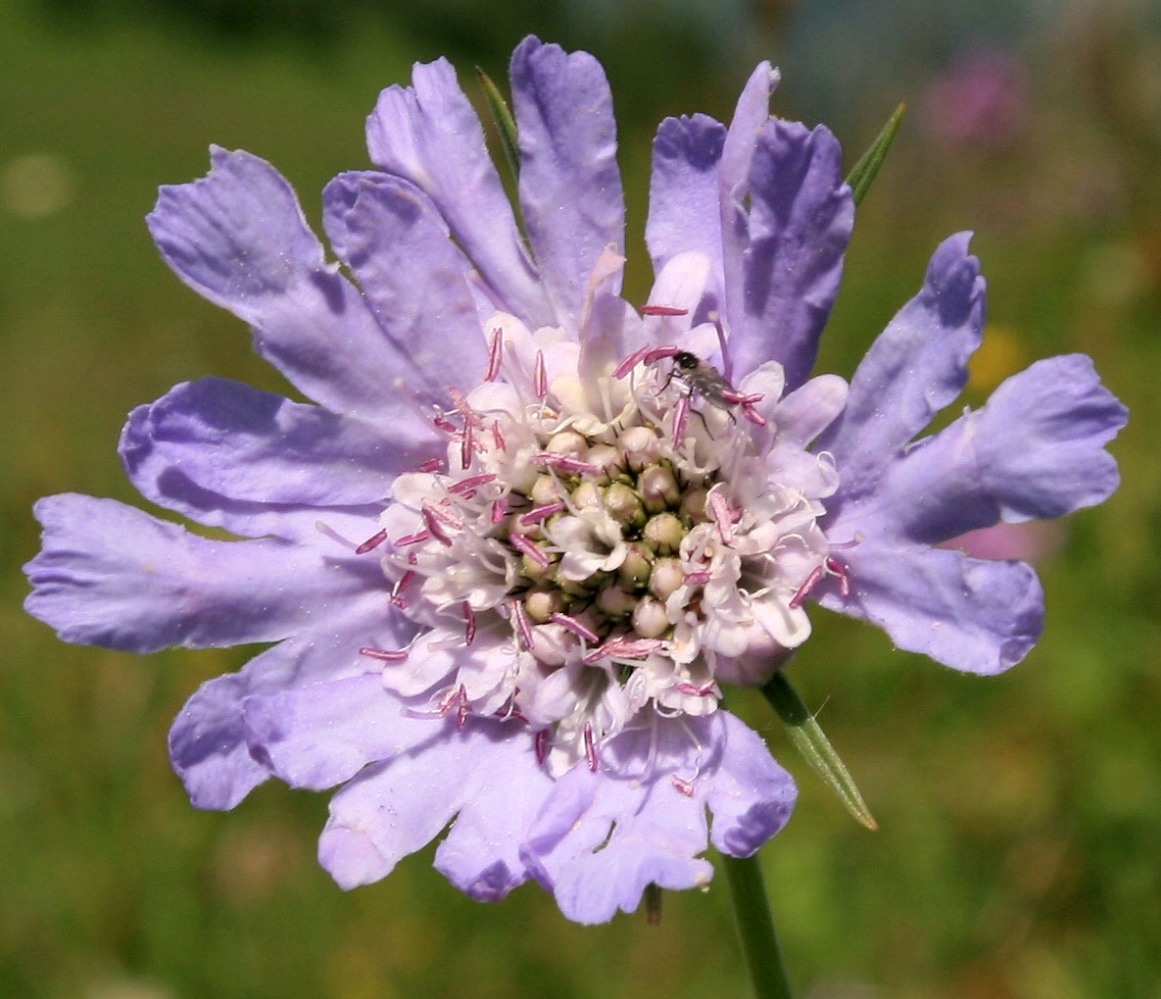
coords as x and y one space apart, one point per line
981 100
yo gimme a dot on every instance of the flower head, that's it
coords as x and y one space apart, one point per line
524 532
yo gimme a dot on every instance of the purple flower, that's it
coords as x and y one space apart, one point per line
525 530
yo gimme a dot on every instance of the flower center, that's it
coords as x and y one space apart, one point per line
588 549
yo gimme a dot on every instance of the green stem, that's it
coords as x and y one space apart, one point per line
756 928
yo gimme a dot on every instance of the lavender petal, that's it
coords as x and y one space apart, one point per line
570 186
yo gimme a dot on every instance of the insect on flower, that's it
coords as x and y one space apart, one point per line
705 380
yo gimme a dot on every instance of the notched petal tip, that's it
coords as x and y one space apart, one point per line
237 232
351 857
954 285
207 746
974 615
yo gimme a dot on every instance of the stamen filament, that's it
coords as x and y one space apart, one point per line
540 376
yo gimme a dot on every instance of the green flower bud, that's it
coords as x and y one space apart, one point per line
587 496
693 505
640 445
606 457
649 620
540 605
658 488
545 490
568 442
624 505
616 602
635 571
664 533
667 576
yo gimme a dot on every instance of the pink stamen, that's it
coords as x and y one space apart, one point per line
523 628
444 424
696 691
401 584
698 578
831 566
371 543
457 698
494 355
740 399
444 514
630 362
384 655
590 749
576 627
469 623
623 648
721 511
836 568
663 310
434 527
657 353
539 513
747 402
468 485
541 745
565 463
431 465
412 539
751 414
462 718
500 510
508 711
684 787
533 551
808 584
498 436
448 699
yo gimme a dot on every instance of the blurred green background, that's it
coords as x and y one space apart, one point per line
1019 855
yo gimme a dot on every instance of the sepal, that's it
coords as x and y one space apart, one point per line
505 123
809 739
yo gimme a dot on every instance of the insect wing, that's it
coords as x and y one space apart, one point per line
705 379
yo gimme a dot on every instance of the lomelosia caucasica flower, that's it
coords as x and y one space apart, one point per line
524 532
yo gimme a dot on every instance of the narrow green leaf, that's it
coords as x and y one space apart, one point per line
864 171
505 123
809 739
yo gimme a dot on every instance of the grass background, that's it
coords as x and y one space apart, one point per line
1020 845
